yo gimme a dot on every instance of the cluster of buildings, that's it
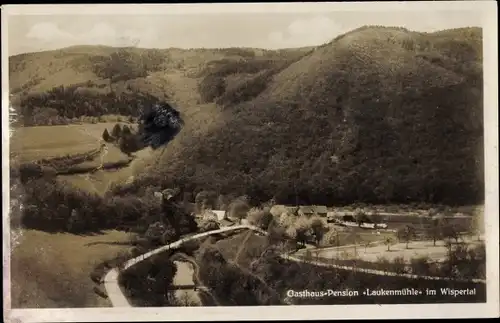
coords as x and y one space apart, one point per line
344 218
224 220
219 216
304 210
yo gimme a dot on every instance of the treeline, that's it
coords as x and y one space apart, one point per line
63 103
127 139
287 275
62 162
225 67
463 262
213 86
149 282
231 285
243 52
125 64
249 89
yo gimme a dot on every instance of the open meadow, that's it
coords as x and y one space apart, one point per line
30 144
34 143
373 252
53 270
100 181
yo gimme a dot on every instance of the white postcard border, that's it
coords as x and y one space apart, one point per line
489 309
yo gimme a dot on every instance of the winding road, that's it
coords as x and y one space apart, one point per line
111 284
118 299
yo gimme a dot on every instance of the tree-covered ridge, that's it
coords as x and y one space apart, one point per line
378 115
369 117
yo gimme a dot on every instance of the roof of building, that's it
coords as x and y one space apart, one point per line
279 209
209 214
320 209
220 214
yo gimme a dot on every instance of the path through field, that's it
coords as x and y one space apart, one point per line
101 180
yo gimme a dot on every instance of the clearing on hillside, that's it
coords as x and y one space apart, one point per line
34 143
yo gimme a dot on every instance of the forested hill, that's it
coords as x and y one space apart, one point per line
377 115
59 86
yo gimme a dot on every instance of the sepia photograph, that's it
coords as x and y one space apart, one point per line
193 162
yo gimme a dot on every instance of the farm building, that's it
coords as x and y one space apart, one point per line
221 215
334 214
218 216
319 210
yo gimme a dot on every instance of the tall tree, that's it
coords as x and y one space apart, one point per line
106 136
318 229
238 209
116 131
406 234
126 130
436 226
128 144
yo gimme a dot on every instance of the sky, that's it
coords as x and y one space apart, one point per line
270 30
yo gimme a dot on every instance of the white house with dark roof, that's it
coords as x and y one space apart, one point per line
220 214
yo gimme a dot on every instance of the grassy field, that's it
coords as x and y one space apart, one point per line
242 248
33 143
360 236
52 270
374 252
99 182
